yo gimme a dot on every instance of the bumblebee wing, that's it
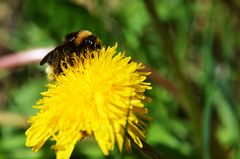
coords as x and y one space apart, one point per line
46 58
52 55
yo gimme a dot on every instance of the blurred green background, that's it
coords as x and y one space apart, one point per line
192 47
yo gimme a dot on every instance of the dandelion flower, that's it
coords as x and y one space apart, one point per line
101 96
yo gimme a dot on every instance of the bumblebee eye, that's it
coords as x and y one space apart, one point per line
90 42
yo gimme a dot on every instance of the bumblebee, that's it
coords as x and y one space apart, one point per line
75 43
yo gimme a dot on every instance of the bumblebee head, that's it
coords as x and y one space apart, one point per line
83 39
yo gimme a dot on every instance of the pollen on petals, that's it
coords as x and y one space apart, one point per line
99 95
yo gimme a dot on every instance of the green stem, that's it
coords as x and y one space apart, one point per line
188 98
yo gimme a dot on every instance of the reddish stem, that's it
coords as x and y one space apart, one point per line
23 58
